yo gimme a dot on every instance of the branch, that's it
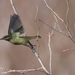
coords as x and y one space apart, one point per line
67 22
50 53
36 15
12 4
69 49
53 11
49 46
36 54
56 16
22 71
53 28
41 63
67 2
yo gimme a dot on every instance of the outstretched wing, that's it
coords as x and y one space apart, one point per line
15 25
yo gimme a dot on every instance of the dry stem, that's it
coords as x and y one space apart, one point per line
12 4
22 71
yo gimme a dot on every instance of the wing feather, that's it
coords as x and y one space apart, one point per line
15 25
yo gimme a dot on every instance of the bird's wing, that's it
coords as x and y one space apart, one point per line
15 25
15 35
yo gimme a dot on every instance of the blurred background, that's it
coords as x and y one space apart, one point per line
21 57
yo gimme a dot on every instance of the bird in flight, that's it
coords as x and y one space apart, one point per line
14 33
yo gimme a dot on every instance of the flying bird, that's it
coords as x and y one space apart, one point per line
15 31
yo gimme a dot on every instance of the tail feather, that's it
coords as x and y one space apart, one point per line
34 37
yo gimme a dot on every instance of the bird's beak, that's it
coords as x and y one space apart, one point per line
6 37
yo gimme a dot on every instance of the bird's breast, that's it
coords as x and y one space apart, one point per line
19 41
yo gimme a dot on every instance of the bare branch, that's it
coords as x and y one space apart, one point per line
41 63
54 15
36 15
66 26
57 23
67 22
12 4
69 49
22 71
67 1
3 69
49 46
53 28
53 11
50 54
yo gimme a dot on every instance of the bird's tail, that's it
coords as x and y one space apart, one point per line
31 37
34 37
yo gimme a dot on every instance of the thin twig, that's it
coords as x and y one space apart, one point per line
53 11
36 13
22 71
3 69
49 46
36 16
69 49
50 54
67 22
54 14
40 61
12 4
53 28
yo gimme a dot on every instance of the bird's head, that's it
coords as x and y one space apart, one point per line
6 37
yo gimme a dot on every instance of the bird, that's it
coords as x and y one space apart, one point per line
15 31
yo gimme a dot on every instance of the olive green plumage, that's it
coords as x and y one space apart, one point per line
14 33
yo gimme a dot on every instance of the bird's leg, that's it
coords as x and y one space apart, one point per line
31 47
